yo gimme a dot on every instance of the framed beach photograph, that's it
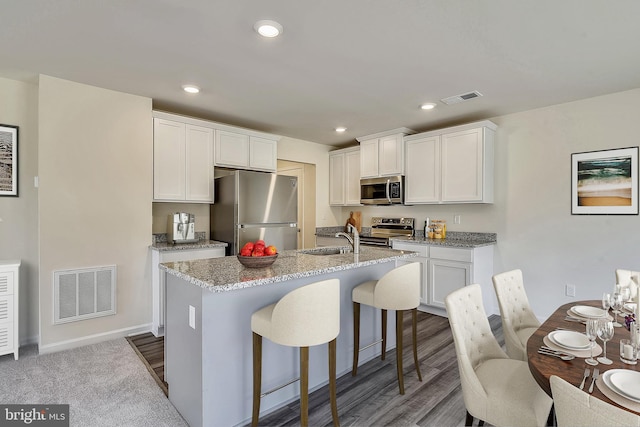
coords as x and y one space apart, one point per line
605 182
8 160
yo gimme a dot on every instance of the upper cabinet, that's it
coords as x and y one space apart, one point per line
182 162
382 154
344 177
452 165
240 150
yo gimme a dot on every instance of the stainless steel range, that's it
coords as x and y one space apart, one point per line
382 229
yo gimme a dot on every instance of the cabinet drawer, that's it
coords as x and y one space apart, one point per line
6 338
423 250
6 309
452 254
6 283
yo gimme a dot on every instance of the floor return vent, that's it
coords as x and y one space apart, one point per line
84 293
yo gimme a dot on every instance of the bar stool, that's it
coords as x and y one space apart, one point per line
307 316
397 290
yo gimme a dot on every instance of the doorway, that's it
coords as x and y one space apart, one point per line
306 174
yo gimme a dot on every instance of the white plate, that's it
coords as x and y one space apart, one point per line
570 339
625 382
587 311
630 306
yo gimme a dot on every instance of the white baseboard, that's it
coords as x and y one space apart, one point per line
93 339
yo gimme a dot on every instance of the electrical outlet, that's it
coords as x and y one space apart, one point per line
570 290
456 219
192 316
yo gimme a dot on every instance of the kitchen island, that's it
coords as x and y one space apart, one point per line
208 350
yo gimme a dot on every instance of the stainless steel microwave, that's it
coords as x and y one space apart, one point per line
386 190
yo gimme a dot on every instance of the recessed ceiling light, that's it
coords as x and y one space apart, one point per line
191 88
428 106
341 129
267 28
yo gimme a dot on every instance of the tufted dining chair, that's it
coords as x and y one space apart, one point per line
495 388
629 278
575 408
518 320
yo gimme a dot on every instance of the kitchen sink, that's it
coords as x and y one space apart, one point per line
327 251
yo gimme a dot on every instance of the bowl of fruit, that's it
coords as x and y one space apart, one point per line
257 254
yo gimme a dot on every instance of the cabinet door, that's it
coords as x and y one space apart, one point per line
168 160
352 177
369 158
199 164
262 154
462 166
444 278
391 155
336 179
422 173
232 149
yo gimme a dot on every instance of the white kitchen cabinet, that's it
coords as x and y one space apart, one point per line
9 307
344 177
182 162
158 288
238 150
382 154
446 269
453 165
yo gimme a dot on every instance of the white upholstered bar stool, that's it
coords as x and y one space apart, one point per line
518 320
307 316
398 290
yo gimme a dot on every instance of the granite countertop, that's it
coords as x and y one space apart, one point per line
200 244
227 274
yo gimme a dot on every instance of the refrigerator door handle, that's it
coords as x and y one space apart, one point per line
268 225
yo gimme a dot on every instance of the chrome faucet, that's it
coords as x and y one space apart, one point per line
354 241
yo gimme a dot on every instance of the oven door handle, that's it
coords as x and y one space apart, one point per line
388 190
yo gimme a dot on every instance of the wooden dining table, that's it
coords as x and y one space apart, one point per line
543 367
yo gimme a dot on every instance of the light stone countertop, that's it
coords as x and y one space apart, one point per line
227 274
451 242
200 244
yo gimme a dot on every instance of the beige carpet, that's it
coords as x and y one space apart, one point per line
105 384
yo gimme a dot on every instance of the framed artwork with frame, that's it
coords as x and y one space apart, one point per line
8 160
605 182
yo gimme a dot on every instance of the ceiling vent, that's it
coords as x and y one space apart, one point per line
461 98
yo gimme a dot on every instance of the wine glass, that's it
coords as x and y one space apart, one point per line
626 294
592 333
616 304
606 301
605 333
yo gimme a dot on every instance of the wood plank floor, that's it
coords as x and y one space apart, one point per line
372 397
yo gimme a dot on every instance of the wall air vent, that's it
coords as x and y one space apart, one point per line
84 293
461 98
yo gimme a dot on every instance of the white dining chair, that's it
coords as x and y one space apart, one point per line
496 389
518 320
630 279
575 408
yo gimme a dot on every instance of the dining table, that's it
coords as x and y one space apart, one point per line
542 366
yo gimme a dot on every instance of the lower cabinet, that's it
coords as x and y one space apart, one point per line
157 278
445 269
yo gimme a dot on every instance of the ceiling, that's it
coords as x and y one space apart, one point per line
364 64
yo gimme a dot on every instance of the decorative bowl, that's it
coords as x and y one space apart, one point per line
257 261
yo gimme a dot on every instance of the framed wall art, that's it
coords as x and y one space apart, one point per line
8 160
605 182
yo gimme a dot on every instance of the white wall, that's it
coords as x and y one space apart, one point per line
19 225
532 209
95 168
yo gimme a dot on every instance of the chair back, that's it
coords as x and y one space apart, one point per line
575 408
399 289
307 316
515 311
474 340
630 279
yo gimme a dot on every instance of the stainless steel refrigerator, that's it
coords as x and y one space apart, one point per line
255 205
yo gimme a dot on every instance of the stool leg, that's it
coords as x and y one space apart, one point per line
399 349
304 386
332 382
414 315
356 337
384 334
257 377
